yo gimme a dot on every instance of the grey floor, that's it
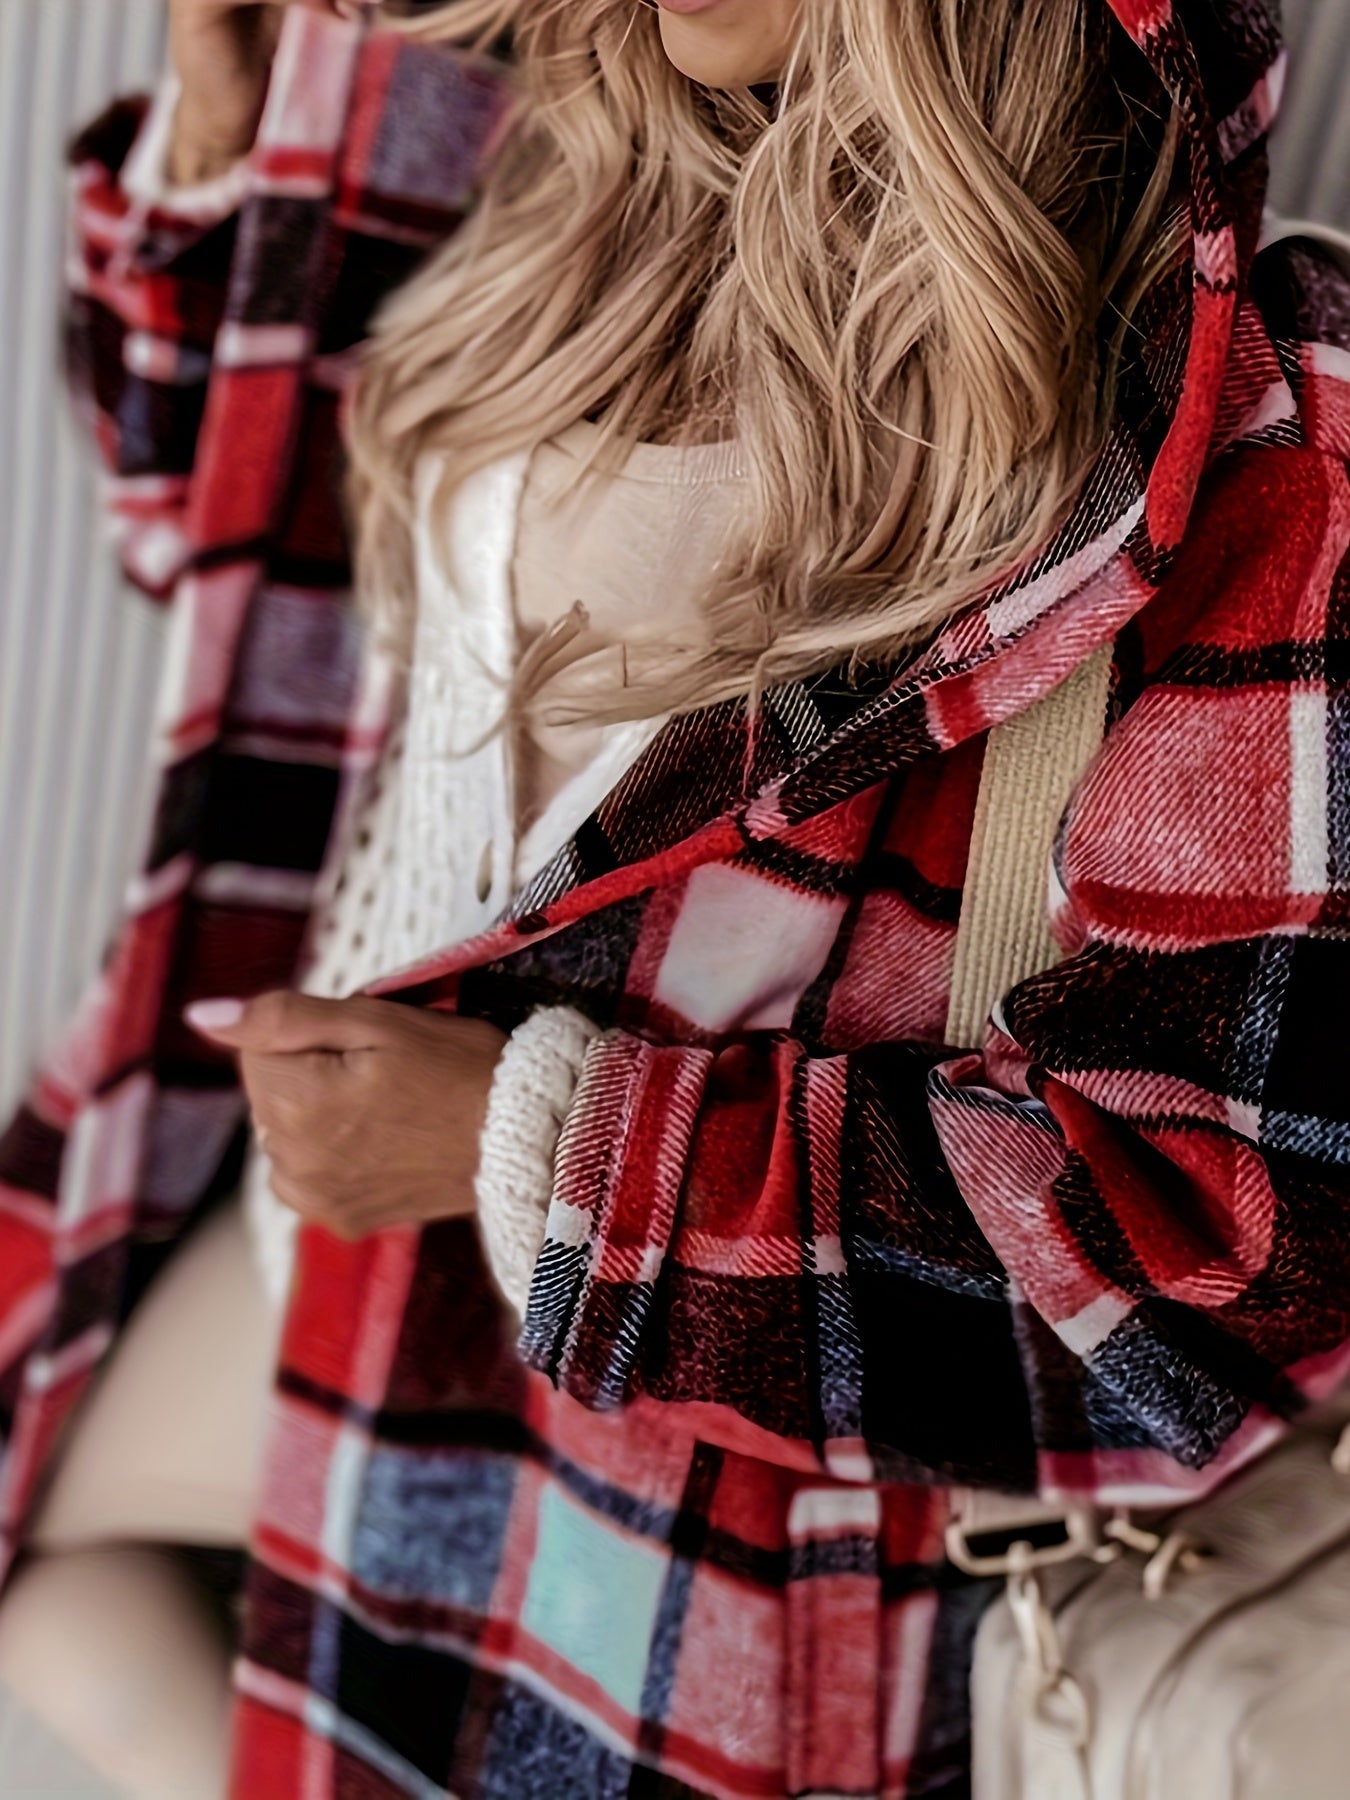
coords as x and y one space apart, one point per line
33 1762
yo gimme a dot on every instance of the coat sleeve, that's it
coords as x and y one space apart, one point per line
770 1241
148 269
1106 1255
156 271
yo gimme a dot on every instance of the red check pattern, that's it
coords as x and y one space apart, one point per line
806 1264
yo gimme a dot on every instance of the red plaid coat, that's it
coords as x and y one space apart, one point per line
807 1266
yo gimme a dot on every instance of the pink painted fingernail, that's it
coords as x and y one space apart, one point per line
214 1015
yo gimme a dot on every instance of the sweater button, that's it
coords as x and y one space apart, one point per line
484 883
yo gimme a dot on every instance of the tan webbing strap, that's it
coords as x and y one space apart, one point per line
1030 765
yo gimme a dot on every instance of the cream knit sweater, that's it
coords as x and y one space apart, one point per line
459 814
450 825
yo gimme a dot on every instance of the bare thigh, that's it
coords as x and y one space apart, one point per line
116 1654
103 1636
167 1444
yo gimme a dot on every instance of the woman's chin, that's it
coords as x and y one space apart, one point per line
724 45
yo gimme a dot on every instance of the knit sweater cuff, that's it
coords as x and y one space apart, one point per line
531 1093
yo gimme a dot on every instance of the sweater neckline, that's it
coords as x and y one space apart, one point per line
670 465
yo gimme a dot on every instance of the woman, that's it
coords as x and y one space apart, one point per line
954 333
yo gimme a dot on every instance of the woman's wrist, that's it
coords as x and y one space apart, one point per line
189 165
160 169
192 159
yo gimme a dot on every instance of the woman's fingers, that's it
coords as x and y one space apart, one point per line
372 1111
283 1022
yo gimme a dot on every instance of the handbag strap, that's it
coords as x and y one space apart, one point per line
1031 763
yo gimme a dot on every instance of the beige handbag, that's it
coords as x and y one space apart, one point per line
1207 1658
1203 1655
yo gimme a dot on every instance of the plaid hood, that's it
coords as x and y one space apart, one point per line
1223 64
1194 389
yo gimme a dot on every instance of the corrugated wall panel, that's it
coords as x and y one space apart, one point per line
78 656
1311 173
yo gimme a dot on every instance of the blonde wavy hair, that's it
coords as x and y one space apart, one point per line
902 279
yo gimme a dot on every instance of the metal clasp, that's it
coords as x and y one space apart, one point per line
1083 1537
1165 1551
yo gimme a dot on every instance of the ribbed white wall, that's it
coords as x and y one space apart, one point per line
78 655
1311 175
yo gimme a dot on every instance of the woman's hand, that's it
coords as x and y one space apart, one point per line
222 50
369 1112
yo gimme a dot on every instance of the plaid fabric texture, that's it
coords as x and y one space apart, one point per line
807 1265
